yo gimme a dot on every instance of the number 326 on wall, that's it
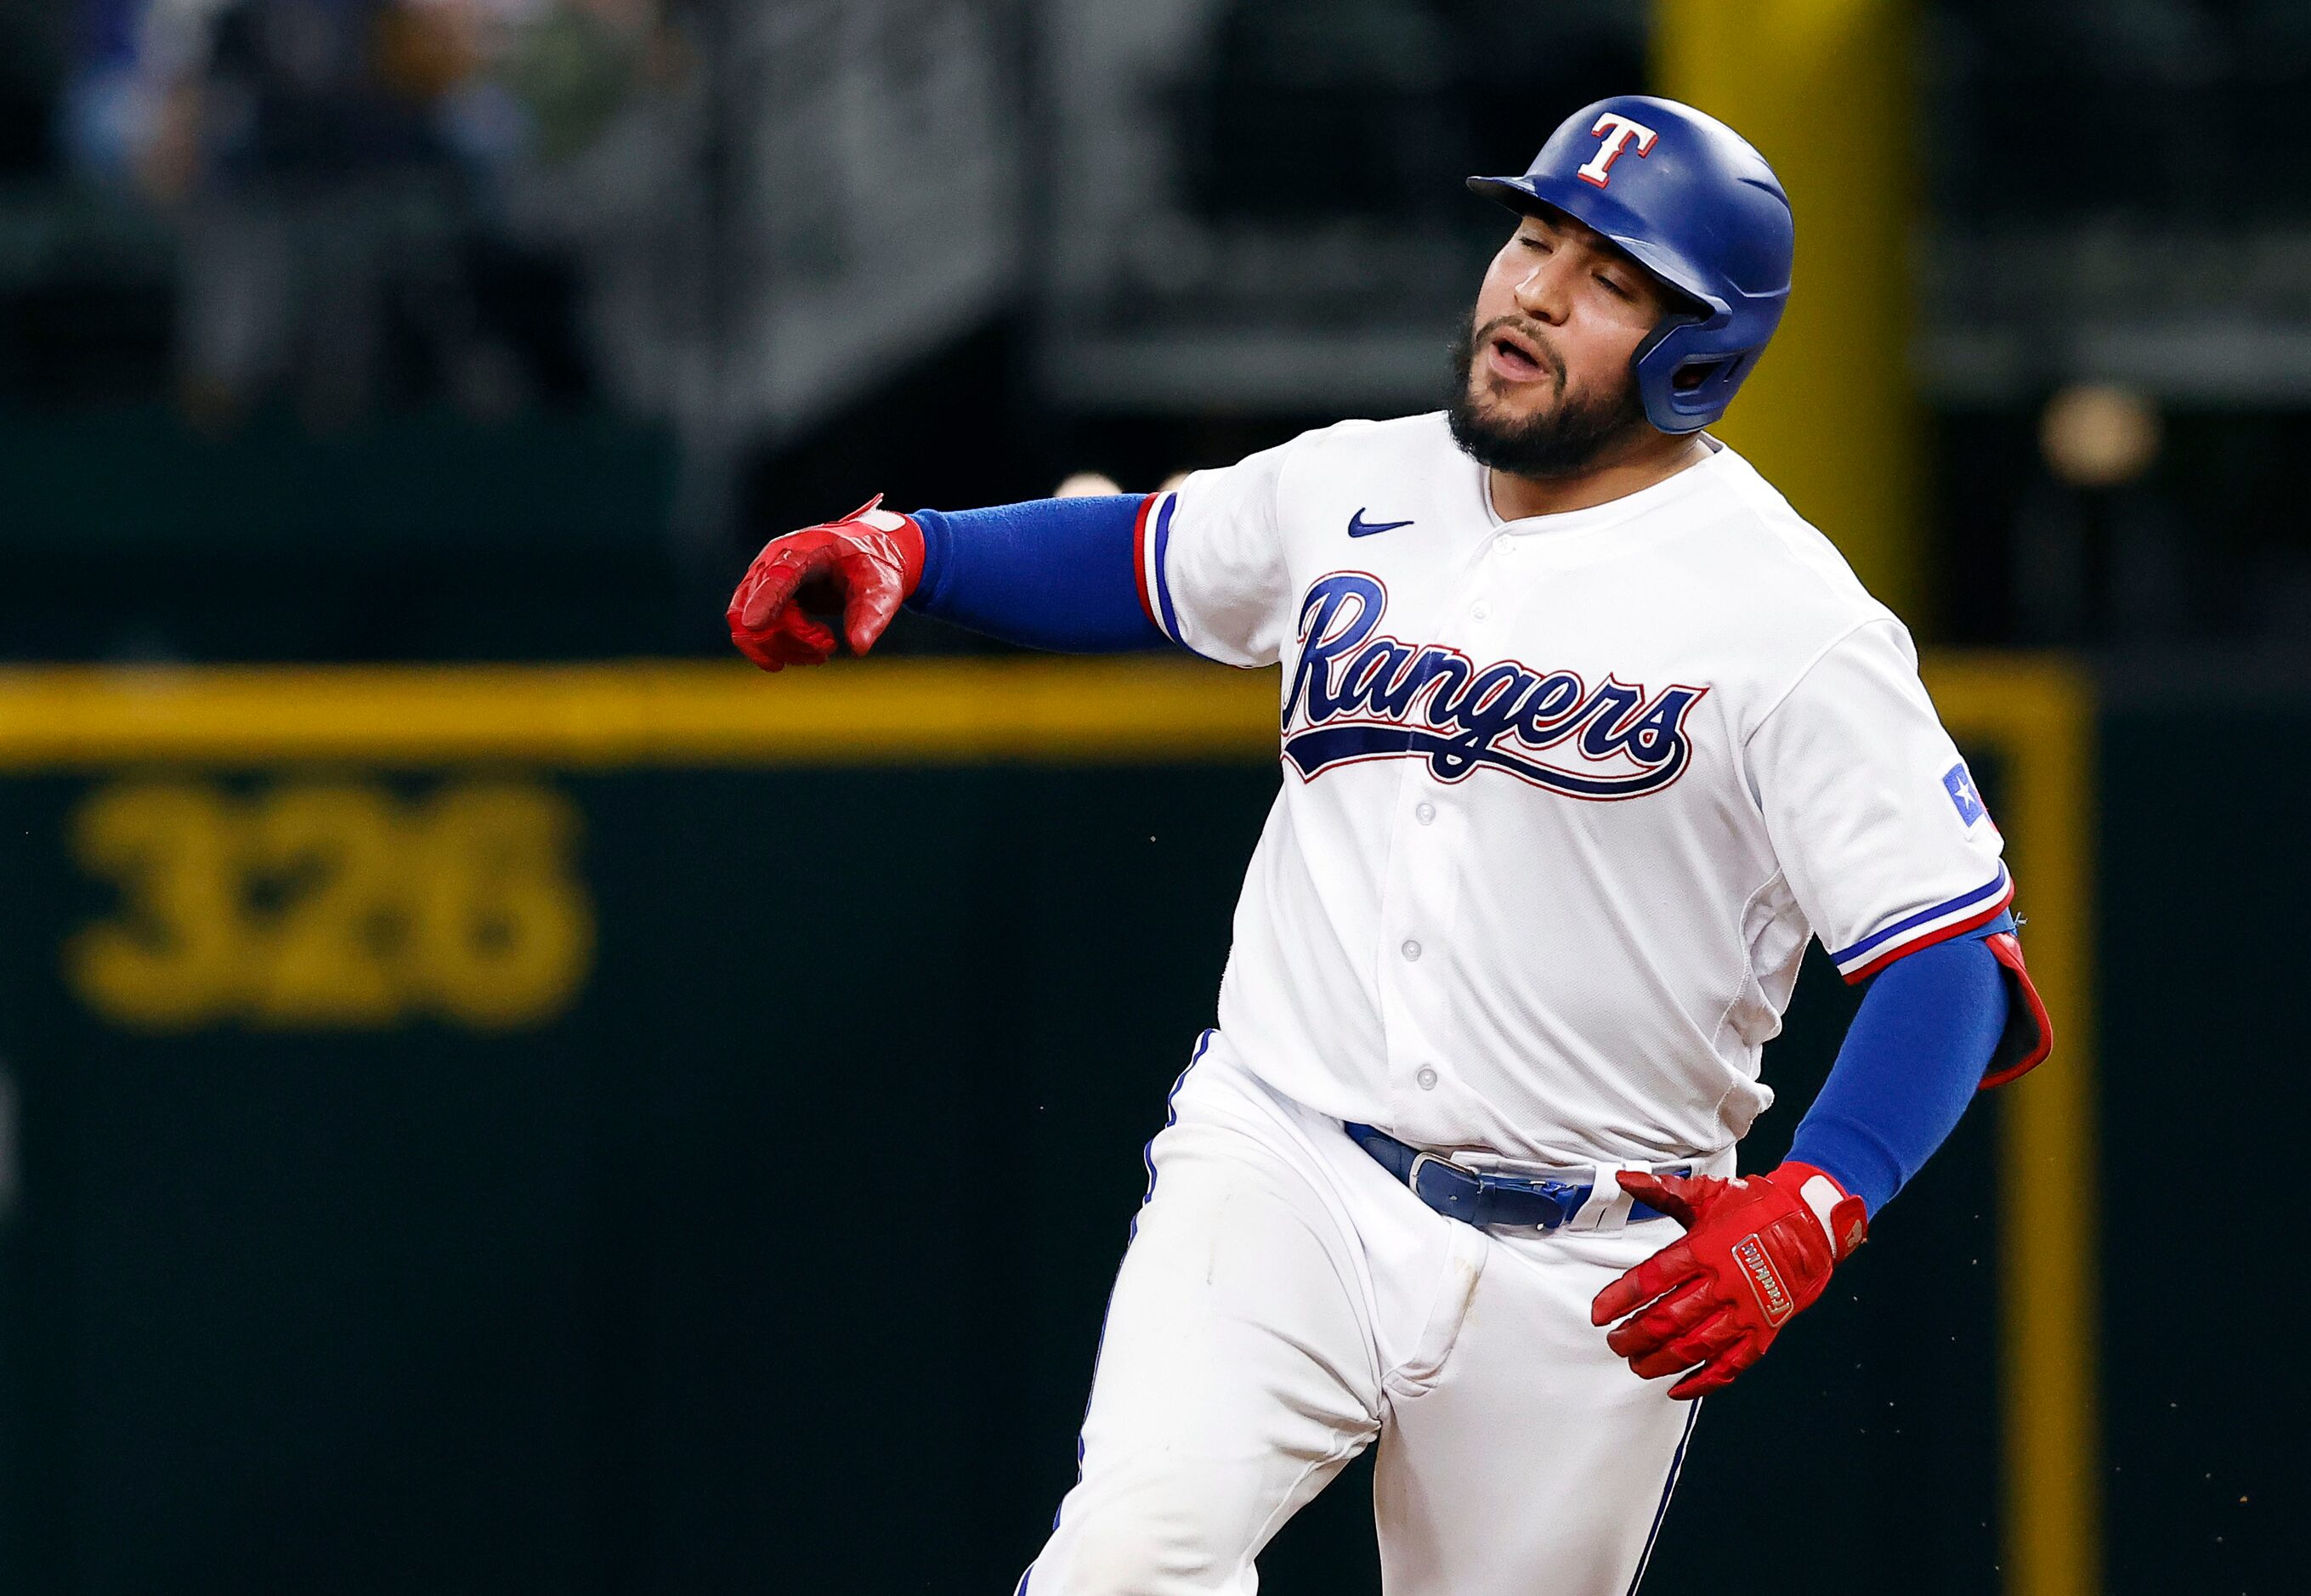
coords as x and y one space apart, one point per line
329 904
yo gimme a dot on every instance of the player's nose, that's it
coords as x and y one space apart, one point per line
1545 293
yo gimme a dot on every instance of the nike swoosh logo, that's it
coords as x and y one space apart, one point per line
1360 528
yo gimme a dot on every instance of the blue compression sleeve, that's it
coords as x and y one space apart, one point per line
1052 573
1911 1063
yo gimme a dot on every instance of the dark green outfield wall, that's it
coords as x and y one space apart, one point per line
2205 866
776 1261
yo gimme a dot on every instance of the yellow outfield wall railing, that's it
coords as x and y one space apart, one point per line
2034 715
902 711
2037 715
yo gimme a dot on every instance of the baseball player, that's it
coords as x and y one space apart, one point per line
1584 733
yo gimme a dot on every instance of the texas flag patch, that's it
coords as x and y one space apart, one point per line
1959 782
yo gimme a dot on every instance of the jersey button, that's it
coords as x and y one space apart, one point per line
1411 949
1482 611
1424 812
1427 1077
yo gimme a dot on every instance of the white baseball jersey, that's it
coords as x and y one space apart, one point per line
1563 798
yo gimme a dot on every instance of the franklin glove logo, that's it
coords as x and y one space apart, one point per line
1773 1296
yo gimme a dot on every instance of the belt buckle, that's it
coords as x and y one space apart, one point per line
1484 1182
1412 1176
1454 1202
1462 1201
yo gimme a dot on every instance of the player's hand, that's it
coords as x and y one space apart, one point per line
1755 1251
861 568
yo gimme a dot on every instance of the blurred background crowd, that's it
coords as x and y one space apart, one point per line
535 315
350 205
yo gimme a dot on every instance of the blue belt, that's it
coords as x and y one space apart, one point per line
1482 1197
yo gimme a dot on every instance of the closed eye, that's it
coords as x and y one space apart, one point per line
1612 286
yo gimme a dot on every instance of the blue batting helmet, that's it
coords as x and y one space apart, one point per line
1695 205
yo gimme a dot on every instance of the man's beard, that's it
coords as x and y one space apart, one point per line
1566 441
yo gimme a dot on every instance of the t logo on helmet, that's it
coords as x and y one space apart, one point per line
1617 131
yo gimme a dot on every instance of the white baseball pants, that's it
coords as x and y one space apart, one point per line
1285 1303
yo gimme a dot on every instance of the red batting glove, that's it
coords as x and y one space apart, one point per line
1755 1251
863 567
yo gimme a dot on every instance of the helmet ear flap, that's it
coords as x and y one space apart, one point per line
1686 383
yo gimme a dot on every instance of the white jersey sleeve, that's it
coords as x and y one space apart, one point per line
1878 828
1212 570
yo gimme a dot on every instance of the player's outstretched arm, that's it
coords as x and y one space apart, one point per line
1937 1024
1051 573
